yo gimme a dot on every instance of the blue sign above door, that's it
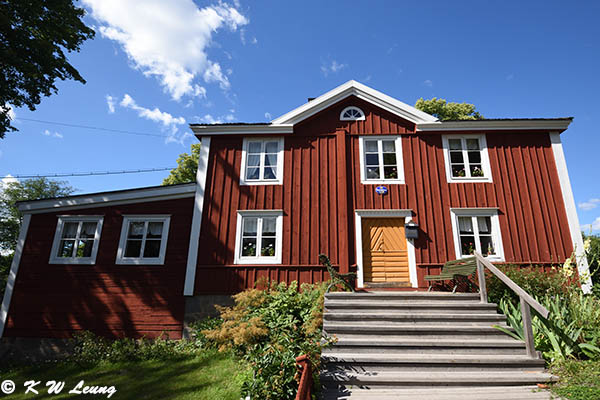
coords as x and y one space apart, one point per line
382 190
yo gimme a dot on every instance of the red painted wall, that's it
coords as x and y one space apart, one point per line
525 188
108 299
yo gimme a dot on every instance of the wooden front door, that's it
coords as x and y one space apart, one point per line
385 258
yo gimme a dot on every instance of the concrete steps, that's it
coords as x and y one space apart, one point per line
404 345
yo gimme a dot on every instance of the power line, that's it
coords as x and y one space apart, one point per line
93 127
93 173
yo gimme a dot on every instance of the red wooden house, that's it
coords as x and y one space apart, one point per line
379 186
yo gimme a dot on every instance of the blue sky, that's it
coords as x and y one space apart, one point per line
155 69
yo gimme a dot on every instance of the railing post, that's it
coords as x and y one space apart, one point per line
527 329
481 277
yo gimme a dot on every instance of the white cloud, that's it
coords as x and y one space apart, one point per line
52 134
268 115
209 119
594 226
8 179
510 77
168 39
332 67
428 82
254 40
110 102
590 204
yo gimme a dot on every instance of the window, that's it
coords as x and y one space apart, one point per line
466 158
477 230
262 162
258 238
143 239
352 114
381 159
76 240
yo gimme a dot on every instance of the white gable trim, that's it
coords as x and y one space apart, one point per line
353 88
192 260
571 210
14 269
491 125
242 129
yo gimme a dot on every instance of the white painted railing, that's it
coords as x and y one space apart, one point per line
527 302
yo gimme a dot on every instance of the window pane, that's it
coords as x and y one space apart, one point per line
389 146
136 230
487 245
249 247
269 226
372 159
390 172
270 173
476 170
372 172
484 224
133 248
475 157
254 147
252 173
371 146
472 144
389 159
249 226
84 248
152 248
268 247
88 230
458 170
253 160
270 159
271 147
154 230
465 225
455 144
66 248
70 229
456 157
467 245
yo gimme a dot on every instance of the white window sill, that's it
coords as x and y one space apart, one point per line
472 180
383 182
140 261
257 183
258 260
73 261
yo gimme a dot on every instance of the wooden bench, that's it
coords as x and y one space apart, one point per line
336 277
456 270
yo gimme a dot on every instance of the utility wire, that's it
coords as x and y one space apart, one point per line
93 127
94 173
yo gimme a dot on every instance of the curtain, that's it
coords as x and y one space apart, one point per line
465 225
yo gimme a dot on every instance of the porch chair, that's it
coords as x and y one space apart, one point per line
457 271
337 278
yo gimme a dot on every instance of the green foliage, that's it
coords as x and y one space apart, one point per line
269 329
187 165
592 249
5 262
28 189
34 36
445 111
579 380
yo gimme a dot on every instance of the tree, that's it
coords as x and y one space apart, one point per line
445 111
30 189
187 165
34 35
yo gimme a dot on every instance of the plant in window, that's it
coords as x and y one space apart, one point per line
477 172
249 250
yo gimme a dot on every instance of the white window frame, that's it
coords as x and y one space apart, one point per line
160 260
258 259
399 159
54 259
485 161
361 118
478 212
279 178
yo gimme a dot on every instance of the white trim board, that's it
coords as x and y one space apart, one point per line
192 259
491 125
410 246
571 210
242 129
109 198
14 269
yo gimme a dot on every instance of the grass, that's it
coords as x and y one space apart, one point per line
212 375
579 380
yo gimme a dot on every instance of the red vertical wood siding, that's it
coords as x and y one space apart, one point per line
525 188
108 299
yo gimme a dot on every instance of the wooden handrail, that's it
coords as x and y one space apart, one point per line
527 302
305 382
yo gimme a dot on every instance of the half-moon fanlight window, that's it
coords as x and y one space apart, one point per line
352 114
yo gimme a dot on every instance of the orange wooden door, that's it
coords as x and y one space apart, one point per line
385 258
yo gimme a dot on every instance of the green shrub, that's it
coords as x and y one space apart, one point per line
5 262
579 380
592 250
269 329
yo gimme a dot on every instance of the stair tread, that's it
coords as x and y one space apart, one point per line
431 376
377 341
433 358
446 393
406 303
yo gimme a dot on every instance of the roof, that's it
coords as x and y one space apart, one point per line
138 195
